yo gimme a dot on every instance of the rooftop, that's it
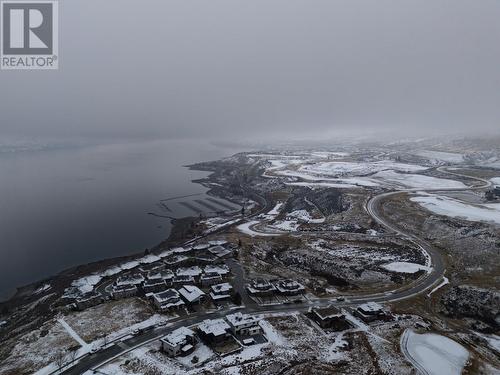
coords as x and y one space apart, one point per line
370 307
191 293
238 319
189 271
216 327
166 295
178 336
222 288
328 312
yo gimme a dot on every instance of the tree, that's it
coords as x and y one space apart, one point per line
60 359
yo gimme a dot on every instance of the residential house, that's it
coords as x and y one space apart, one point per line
192 294
220 252
371 311
123 291
182 341
208 279
221 292
261 288
214 330
242 324
329 317
168 300
289 287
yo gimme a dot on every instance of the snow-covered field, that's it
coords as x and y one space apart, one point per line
246 229
338 169
434 354
416 181
317 173
405 267
451 207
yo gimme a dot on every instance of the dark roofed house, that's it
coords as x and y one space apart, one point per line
180 280
329 317
132 279
220 252
154 286
170 299
289 287
208 279
370 311
261 287
123 291
221 292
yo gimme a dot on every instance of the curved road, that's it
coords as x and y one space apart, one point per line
94 361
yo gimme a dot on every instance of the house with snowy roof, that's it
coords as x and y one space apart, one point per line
179 342
214 330
243 324
192 294
289 287
370 311
220 252
193 271
168 300
261 287
123 291
221 292
329 317
131 279
154 285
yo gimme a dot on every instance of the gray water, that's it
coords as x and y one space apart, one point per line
64 207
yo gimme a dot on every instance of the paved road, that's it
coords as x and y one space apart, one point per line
96 360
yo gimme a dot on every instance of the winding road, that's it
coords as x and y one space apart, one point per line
96 360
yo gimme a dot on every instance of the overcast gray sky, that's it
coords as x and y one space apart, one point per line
155 68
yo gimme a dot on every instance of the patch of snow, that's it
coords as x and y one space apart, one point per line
245 228
272 335
405 267
441 284
73 334
305 216
451 207
417 181
433 353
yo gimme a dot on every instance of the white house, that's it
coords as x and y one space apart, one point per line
242 324
179 342
191 294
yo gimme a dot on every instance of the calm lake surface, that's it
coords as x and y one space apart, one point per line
60 208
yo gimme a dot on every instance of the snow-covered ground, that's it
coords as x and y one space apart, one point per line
246 229
434 354
451 207
317 173
337 168
416 181
305 216
405 267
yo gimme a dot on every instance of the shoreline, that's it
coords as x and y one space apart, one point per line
61 280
